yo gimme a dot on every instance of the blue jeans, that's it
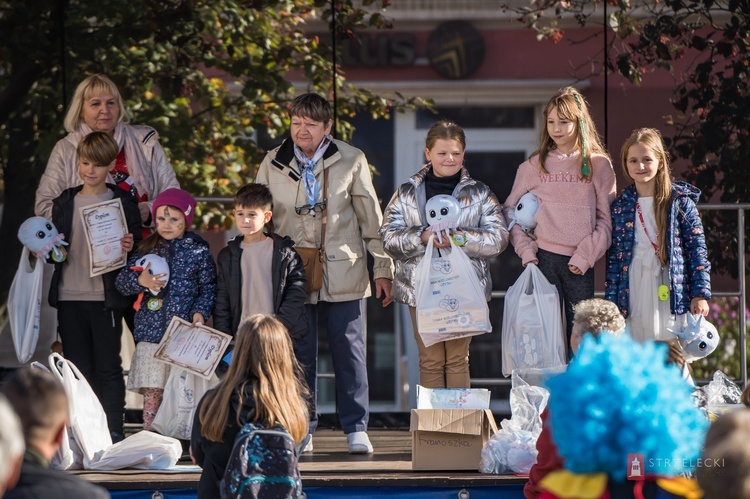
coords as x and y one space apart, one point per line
346 342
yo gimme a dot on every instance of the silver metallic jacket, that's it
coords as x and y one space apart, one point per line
404 220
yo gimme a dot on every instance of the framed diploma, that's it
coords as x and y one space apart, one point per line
195 349
104 225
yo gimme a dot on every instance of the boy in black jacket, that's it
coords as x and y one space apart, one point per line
89 309
259 273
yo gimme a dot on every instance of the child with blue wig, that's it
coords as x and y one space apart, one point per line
620 402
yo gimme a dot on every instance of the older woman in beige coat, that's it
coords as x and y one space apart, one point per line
295 174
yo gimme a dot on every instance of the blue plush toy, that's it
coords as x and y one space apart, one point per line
40 236
699 339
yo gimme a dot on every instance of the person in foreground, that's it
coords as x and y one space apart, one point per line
725 470
624 423
296 174
11 446
42 405
593 317
263 385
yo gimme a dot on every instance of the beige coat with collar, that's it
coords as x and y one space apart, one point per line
354 217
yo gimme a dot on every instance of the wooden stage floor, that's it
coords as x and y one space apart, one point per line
328 466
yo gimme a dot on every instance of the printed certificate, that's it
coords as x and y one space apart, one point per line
104 225
195 349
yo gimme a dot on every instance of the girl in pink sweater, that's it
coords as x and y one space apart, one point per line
572 177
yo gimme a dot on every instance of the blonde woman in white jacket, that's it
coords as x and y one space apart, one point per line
141 167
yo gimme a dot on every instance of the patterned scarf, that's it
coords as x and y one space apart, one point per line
306 169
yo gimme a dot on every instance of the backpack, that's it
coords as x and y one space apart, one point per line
263 465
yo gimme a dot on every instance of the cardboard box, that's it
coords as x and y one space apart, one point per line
449 439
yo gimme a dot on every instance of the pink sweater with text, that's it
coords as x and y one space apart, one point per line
573 218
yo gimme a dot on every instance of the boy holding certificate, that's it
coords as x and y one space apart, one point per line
259 272
89 309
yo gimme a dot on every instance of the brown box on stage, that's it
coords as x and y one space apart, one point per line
449 439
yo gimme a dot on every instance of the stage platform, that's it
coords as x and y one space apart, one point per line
330 471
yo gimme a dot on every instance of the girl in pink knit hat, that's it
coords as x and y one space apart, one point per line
189 293
572 177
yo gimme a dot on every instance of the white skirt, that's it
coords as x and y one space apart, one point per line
145 371
649 316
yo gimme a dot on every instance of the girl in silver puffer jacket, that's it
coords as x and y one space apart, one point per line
405 232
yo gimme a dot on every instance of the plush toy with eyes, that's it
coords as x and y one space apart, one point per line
158 266
523 214
40 236
699 339
442 213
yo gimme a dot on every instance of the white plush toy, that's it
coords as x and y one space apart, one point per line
158 266
40 236
442 213
523 214
699 339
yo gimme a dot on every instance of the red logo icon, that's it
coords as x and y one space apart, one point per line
636 467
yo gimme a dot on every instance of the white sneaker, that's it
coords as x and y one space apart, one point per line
359 443
307 444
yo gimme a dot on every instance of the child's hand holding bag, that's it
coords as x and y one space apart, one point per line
450 300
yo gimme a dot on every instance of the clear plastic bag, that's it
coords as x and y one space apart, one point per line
513 448
533 332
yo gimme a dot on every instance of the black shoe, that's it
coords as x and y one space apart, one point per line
116 436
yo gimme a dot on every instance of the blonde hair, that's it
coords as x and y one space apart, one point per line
571 106
596 315
99 148
263 356
445 130
728 454
652 140
92 86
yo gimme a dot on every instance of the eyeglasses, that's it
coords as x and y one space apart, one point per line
307 209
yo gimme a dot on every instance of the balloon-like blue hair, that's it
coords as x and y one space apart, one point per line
620 397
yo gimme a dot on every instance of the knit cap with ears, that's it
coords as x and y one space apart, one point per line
178 198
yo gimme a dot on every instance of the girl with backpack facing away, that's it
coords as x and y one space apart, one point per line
480 232
263 385
189 294
573 179
658 268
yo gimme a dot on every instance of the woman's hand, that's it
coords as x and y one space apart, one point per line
699 305
153 282
126 243
198 319
534 261
145 211
575 270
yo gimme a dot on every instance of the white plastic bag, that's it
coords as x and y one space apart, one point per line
182 393
25 305
88 422
533 332
68 455
450 300
143 451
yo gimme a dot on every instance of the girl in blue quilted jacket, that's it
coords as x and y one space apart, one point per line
658 267
189 293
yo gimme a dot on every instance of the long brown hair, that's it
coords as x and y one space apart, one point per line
571 106
263 356
652 140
